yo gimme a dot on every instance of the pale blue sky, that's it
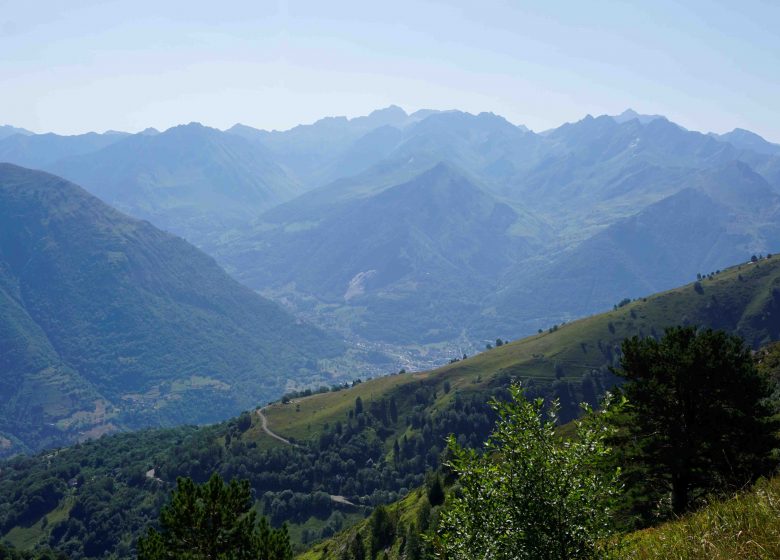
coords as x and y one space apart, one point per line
73 66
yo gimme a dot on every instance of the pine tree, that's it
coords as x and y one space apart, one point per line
393 410
413 549
383 527
213 521
436 492
699 420
357 549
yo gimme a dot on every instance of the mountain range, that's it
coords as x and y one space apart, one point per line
670 202
417 239
192 180
428 233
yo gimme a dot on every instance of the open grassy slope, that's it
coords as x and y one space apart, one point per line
746 526
744 299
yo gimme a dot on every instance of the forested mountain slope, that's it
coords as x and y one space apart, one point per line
108 322
353 448
725 214
612 210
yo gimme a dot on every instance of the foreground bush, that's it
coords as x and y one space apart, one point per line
532 494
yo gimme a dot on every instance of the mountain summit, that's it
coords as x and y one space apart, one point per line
630 114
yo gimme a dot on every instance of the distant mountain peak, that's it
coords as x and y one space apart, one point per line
192 127
392 115
7 130
192 124
630 115
443 168
245 130
444 173
748 140
423 113
738 186
747 136
491 116
389 110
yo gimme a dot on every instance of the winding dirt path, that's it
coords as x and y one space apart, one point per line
267 430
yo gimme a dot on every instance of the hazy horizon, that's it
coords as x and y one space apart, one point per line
350 117
98 66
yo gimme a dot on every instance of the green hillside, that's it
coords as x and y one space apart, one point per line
346 455
107 323
407 513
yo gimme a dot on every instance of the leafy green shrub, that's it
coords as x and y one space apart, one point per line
532 494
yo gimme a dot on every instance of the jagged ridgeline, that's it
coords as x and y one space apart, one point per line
107 323
349 450
437 230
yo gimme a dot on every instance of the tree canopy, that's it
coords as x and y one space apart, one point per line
213 521
699 419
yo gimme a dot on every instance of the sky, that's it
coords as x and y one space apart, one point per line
73 66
